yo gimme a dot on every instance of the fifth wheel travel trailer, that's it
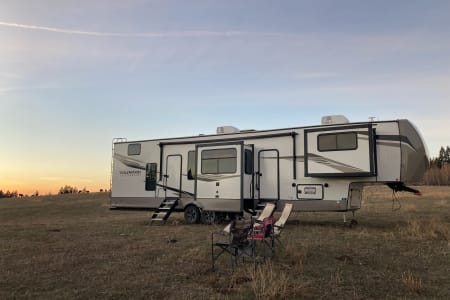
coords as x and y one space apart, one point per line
316 168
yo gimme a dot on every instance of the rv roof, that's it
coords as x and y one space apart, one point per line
254 131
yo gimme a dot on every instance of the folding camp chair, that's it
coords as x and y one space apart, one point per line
267 212
231 240
262 234
281 222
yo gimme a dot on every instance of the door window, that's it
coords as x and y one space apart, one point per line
191 165
150 177
248 161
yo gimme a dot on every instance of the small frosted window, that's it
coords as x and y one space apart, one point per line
134 149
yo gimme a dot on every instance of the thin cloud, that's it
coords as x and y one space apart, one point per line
193 33
10 75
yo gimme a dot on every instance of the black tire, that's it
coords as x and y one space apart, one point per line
191 214
208 217
221 217
232 216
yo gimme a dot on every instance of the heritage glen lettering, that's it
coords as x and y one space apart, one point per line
130 173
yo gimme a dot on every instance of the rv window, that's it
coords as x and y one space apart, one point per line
191 165
248 161
337 141
219 161
150 177
134 149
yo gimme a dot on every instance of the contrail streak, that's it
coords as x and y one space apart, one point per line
143 34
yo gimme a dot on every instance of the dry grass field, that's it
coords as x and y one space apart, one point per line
73 246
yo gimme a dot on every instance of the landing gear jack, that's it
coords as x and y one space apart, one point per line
353 221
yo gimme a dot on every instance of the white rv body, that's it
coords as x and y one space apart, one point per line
316 168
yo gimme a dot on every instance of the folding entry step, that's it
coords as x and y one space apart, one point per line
163 212
260 206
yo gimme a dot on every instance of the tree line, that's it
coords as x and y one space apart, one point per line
442 159
439 171
9 194
67 189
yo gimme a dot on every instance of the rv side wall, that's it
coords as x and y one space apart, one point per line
337 157
414 154
388 151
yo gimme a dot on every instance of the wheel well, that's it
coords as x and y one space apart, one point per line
193 204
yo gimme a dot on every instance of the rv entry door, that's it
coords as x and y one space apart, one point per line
268 175
219 180
173 175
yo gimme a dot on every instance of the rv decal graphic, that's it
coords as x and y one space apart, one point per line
176 190
130 162
323 160
333 164
393 141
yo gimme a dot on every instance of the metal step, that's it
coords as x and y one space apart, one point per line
162 213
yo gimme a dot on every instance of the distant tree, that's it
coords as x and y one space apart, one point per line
441 157
447 155
8 194
36 193
67 189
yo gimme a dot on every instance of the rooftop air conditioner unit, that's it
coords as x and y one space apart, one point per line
227 129
334 119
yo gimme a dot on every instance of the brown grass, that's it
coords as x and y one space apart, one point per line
410 208
73 246
412 283
268 283
438 176
432 229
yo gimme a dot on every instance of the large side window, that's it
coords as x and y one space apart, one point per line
134 149
219 161
191 165
337 141
150 177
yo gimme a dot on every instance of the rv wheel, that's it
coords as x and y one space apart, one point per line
191 214
213 217
208 217
232 216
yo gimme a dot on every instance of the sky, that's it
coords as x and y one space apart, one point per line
76 74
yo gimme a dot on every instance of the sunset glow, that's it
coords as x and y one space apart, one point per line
74 75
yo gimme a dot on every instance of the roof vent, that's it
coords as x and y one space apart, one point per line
227 129
334 119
